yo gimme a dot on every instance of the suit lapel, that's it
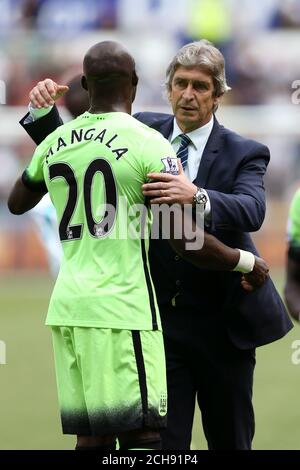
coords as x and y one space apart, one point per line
210 154
166 127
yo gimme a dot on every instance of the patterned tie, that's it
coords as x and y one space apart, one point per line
183 151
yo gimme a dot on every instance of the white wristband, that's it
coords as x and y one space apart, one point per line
246 262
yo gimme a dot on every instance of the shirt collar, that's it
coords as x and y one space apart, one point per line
197 136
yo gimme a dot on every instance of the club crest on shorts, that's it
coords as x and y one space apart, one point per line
170 165
163 404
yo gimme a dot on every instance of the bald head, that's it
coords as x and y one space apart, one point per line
109 73
108 59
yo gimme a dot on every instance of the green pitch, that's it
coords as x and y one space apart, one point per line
28 406
29 417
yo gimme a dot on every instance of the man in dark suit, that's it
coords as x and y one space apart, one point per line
211 326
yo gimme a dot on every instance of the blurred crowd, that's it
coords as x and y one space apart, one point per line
39 38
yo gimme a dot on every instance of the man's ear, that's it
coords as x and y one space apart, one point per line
216 103
135 80
217 99
84 82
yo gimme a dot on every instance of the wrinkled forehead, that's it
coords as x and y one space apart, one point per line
195 72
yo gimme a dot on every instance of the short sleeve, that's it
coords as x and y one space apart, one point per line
159 156
33 176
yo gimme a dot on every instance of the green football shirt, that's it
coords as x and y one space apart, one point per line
94 168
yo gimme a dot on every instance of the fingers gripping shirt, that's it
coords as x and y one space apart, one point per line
94 168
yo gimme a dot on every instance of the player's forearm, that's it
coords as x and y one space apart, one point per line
198 247
213 255
21 199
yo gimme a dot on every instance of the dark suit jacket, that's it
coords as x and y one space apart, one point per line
231 170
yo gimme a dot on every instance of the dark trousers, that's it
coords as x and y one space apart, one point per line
203 365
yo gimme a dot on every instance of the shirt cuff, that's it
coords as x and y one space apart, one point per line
36 113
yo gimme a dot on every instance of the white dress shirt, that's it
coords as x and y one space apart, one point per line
199 138
36 113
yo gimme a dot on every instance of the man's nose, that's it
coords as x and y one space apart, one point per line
188 92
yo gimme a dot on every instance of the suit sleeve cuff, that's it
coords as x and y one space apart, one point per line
36 113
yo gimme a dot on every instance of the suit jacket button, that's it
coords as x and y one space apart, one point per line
177 258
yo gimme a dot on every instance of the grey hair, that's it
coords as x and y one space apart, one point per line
200 53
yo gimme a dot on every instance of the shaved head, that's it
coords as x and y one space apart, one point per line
108 59
109 75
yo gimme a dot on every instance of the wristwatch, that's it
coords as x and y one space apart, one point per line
200 198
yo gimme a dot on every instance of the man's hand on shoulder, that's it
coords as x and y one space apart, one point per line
166 188
45 93
256 278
